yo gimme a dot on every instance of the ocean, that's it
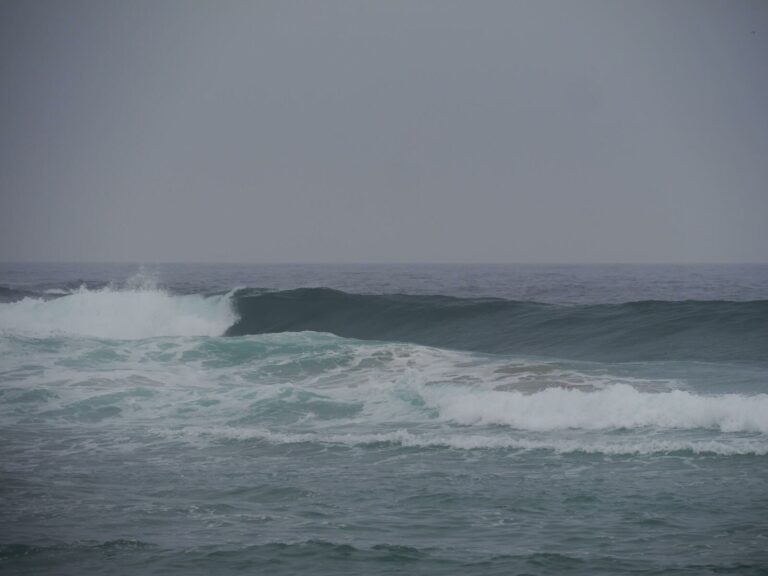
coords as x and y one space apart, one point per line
383 419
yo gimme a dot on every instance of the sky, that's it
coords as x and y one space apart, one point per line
388 131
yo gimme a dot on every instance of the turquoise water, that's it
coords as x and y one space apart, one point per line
480 439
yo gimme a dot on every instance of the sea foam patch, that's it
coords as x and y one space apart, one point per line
614 407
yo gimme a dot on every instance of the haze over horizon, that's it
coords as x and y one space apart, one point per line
547 132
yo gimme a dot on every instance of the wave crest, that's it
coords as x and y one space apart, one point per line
138 311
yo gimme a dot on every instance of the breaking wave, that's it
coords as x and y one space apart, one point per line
635 331
129 314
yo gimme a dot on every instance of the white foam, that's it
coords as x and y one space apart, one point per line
463 441
129 314
618 406
400 394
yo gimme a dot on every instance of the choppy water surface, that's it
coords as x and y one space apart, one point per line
196 420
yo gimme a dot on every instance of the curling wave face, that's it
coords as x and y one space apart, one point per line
690 330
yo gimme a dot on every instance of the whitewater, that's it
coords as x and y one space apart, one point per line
192 419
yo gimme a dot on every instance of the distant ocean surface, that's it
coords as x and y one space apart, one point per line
383 419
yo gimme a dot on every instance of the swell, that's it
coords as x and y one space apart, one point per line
635 331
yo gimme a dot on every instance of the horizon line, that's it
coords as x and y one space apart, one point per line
385 263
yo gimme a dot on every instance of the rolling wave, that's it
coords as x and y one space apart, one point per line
650 330
633 331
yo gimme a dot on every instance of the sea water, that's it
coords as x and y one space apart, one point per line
361 419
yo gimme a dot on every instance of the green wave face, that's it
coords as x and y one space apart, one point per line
637 331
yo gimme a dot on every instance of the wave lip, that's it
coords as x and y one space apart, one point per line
123 314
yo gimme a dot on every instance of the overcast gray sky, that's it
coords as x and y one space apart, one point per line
474 131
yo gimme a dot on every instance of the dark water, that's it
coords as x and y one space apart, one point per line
649 330
195 419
